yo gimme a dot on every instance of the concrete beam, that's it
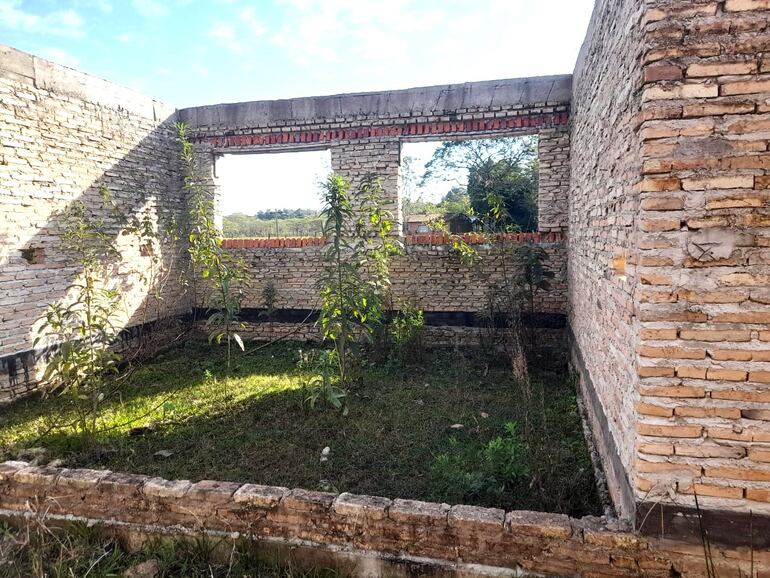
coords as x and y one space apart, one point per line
410 103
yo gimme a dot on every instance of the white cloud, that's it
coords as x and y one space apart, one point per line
379 44
252 23
102 5
332 30
55 23
222 31
150 9
240 37
125 38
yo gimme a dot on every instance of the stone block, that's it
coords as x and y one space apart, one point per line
166 489
308 501
8 469
212 492
417 512
81 479
116 483
361 507
543 525
476 519
259 496
38 475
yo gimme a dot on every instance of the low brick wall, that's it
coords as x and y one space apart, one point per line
427 274
465 535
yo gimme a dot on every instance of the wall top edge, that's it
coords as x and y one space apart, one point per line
43 74
414 102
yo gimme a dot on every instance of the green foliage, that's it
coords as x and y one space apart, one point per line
456 202
269 296
458 246
281 223
355 273
406 333
83 329
486 472
522 274
208 261
514 183
320 382
506 167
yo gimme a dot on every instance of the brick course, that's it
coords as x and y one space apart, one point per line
427 275
392 529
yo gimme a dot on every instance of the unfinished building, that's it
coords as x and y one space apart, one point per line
653 197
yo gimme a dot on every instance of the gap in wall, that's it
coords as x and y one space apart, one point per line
275 194
450 180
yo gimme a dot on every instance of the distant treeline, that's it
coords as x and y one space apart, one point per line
285 214
276 223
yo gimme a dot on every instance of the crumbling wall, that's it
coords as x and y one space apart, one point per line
62 135
465 540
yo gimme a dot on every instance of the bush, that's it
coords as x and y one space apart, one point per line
406 334
485 473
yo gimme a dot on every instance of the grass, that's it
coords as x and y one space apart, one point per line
78 550
397 439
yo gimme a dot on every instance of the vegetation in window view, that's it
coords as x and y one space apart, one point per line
270 224
507 168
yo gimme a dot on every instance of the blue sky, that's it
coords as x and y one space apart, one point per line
188 52
194 52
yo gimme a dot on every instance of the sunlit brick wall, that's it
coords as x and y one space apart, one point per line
704 262
62 135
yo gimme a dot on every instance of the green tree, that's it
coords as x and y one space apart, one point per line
515 184
456 202
208 261
506 167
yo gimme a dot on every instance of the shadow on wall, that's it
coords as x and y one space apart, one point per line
135 158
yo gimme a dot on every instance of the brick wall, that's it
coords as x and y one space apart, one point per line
364 131
603 206
703 237
380 157
668 264
62 134
461 540
553 192
426 275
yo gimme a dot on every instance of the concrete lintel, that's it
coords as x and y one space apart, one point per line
413 102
